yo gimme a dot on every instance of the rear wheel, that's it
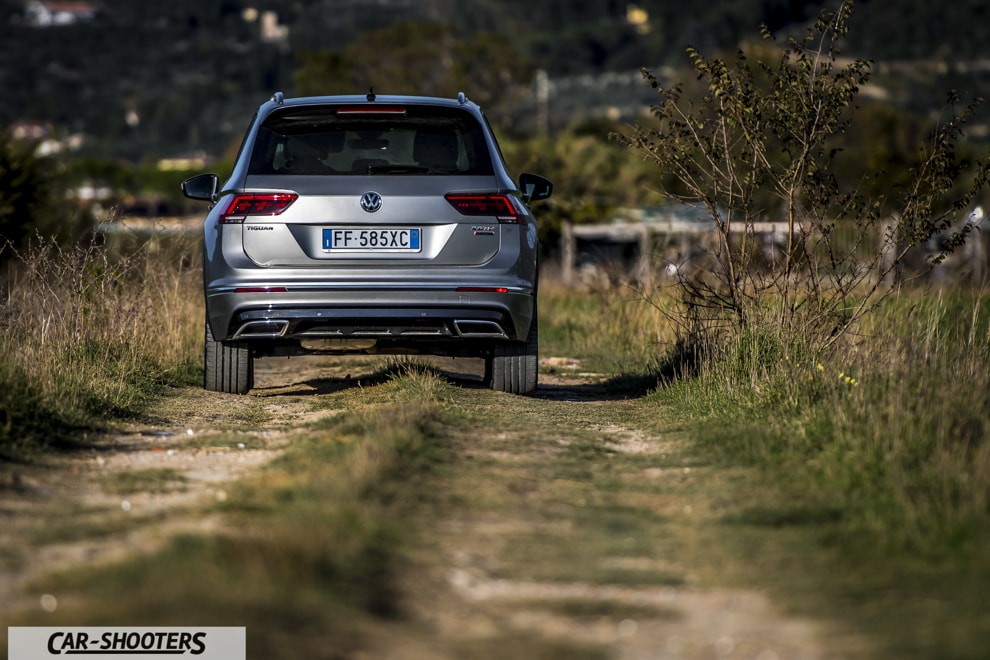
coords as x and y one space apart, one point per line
512 366
227 365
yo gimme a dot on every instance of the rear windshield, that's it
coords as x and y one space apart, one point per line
320 140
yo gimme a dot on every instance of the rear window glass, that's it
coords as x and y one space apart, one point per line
320 140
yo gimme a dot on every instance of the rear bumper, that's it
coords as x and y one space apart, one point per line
372 323
385 315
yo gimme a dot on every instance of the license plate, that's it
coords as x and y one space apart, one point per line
368 239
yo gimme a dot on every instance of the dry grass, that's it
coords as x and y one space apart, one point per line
612 328
89 333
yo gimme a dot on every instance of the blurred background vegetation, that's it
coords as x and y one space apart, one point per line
106 114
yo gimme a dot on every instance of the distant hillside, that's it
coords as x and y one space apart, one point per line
921 29
161 77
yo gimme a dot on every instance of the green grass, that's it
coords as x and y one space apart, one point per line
151 480
878 453
613 331
892 431
872 461
591 610
308 546
78 523
854 485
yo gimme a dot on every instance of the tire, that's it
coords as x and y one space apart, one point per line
513 365
227 365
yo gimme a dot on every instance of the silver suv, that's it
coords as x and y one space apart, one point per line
364 224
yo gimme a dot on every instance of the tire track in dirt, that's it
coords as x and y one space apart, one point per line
468 585
131 491
488 594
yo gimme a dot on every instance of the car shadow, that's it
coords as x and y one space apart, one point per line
322 385
618 388
551 388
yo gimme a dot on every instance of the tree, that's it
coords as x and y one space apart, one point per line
765 131
428 59
27 201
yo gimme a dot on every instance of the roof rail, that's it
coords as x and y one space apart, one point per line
278 97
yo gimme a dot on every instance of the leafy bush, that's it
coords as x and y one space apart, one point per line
759 144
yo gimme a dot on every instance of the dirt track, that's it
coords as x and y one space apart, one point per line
464 585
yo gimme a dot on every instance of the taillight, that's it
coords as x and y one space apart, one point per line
482 289
506 208
241 206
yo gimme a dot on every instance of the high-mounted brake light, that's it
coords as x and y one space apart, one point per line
371 110
505 208
241 206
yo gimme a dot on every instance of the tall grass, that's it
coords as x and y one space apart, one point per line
89 333
611 328
914 436
887 435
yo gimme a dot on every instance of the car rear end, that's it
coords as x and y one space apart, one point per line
368 224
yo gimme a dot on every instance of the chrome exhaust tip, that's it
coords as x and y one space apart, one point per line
266 329
479 329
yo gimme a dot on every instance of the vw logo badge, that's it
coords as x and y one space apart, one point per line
371 201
